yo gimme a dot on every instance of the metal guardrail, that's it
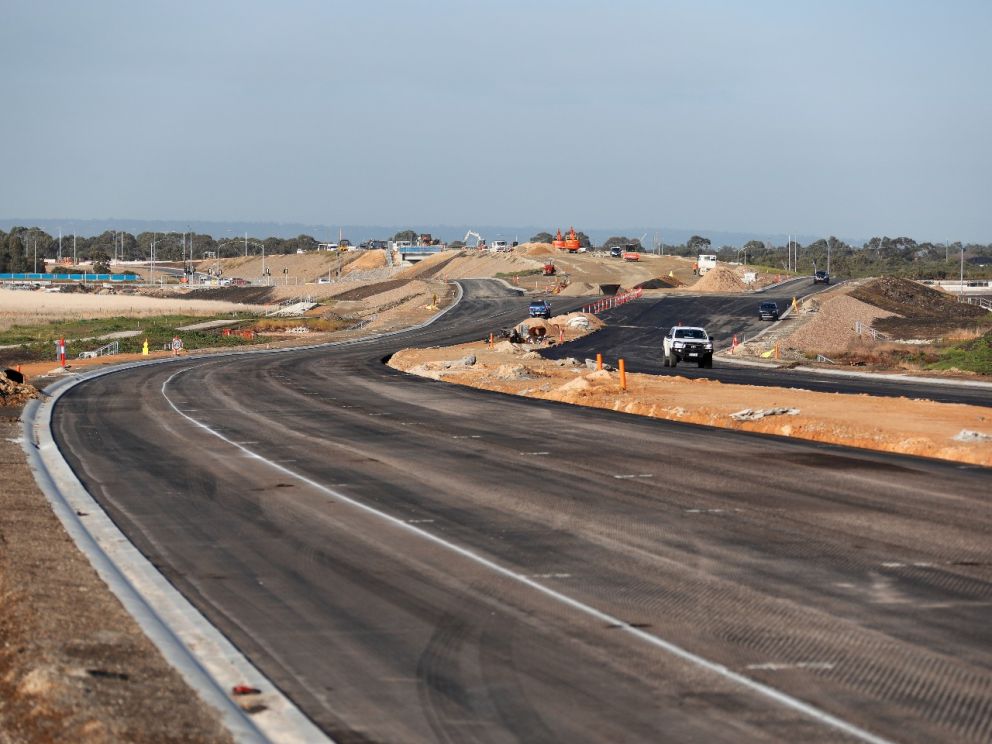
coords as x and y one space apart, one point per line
863 329
112 348
983 302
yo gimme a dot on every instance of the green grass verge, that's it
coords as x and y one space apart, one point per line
37 342
971 356
523 272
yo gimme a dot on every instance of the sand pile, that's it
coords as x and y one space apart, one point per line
720 279
13 392
367 261
831 327
537 249
580 289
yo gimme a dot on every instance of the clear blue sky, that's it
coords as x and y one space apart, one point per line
847 118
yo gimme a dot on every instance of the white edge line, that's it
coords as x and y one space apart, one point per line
206 660
671 648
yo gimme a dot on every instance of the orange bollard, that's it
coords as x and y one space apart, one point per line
623 377
776 351
490 340
599 362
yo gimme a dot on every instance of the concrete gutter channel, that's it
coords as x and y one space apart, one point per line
206 659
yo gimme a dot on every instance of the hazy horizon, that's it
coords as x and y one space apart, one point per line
766 118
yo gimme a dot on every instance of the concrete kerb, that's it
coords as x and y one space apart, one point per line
205 658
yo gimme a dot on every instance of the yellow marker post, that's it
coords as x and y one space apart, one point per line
623 376
144 348
599 362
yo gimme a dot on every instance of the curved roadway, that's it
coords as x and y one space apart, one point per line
415 561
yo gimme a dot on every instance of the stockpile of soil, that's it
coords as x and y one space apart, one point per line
831 327
537 249
580 289
14 392
368 260
660 282
720 279
926 312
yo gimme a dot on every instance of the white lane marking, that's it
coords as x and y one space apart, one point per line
634 475
604 617
249 442
535 454
420 521
382 413
551 576
777 667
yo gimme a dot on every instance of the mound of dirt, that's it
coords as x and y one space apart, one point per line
14 392
580 289
537 249
661 282
720 279
912 299
368 260
926 312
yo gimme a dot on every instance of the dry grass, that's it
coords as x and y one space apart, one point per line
35 308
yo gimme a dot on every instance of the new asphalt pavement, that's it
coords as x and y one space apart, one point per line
415 561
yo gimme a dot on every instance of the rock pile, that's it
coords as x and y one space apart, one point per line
13 392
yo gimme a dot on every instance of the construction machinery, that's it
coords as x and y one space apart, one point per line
570 243
549 268
480 242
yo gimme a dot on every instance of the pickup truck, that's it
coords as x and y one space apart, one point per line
687 344
540 309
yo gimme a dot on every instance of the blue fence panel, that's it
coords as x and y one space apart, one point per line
70 277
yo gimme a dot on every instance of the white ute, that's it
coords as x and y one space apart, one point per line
687 344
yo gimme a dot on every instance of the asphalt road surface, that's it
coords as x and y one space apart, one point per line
415 561
635 330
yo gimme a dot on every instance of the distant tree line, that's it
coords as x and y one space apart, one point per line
24 249
881 255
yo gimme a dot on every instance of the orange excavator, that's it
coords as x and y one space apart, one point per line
549 268
570 243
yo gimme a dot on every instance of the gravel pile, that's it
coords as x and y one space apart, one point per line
720 279
830 327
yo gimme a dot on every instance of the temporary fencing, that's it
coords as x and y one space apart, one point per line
608 303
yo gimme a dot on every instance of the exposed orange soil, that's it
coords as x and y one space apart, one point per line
902 425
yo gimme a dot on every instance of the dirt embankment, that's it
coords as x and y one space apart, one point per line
886 323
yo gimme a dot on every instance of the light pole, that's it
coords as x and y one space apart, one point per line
961 285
